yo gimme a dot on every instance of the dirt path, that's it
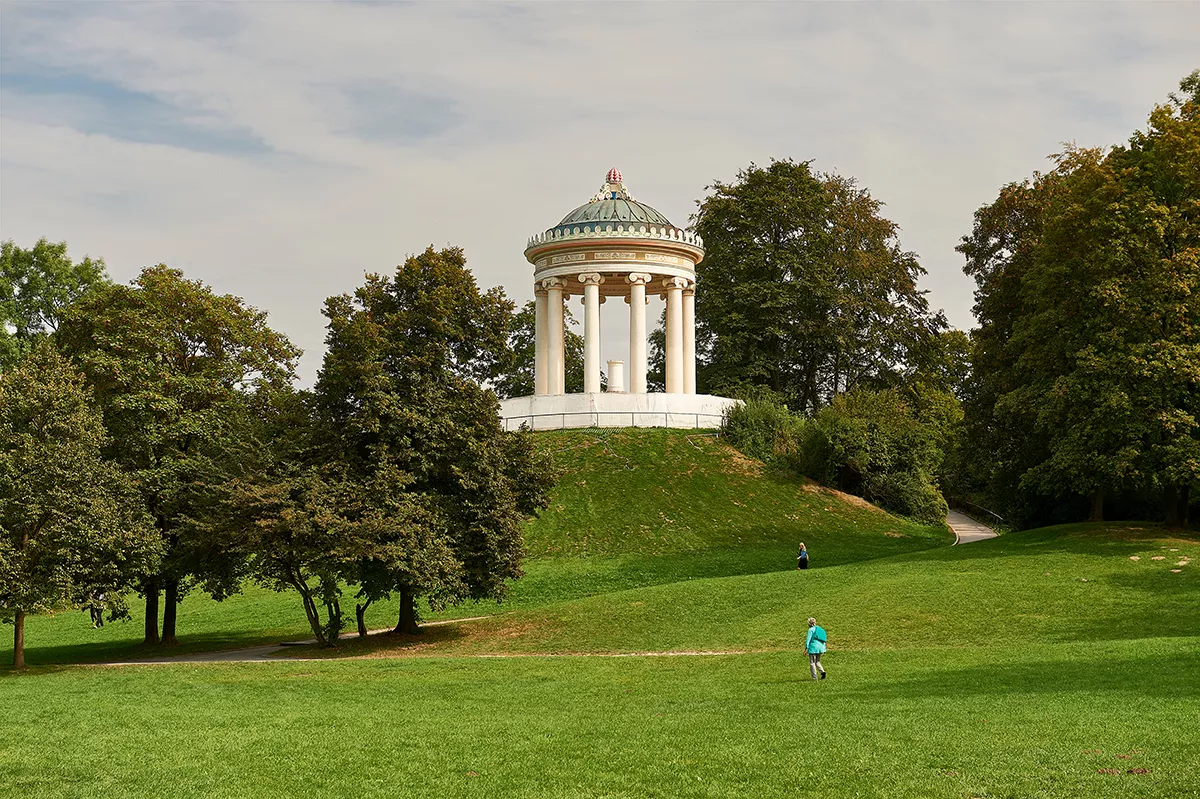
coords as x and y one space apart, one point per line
967 530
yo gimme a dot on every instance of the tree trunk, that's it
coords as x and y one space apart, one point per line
360 613
1097 506
408 613
1172 505
151 591
1185 496
311 613
170 610
19 639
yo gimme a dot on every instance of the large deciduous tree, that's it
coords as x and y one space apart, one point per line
178 372
806 289
1088 354
36 286
72 526
440 490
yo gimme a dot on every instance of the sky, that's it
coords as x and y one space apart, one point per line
279 151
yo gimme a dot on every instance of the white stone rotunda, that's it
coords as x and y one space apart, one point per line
614 246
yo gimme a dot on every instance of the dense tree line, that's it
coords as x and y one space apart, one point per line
151 438
1087 358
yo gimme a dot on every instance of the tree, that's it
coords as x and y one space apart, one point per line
36 286
806 290
72 528
178 372
407 423
522 344
1088 354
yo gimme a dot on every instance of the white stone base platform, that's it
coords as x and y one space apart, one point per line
562 411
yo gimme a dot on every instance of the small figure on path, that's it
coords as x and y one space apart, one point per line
814 644
802 558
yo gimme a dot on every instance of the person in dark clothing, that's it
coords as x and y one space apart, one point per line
802 558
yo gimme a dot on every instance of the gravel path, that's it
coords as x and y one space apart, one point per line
967 530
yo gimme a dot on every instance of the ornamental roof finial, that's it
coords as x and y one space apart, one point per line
613 188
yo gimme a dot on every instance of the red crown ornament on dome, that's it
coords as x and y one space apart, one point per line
613 188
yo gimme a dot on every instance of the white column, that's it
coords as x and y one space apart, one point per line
637 332
674 287
689 339
591 331
555 352
541 371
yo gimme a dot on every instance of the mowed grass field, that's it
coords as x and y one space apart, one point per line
1062 662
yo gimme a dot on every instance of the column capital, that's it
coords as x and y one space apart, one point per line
591 278
639 277
676 283
554 283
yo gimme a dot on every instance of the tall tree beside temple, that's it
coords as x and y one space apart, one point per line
1088 355
804 286
412 433
37 285
522 343
178 372
72 526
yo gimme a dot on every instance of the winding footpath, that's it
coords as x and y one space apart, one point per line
967 530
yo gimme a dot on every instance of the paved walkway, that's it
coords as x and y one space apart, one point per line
967 530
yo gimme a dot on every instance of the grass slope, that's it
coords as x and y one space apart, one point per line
1068 583
632 509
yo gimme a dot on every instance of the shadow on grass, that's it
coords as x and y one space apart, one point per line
1088 538
134 649
388 644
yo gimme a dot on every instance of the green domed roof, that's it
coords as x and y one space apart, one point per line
615 210
611 205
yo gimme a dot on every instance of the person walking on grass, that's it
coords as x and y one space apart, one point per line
802 558
814 644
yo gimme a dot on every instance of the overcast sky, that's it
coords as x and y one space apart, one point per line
280 150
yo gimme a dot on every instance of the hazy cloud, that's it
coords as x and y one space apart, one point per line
280 150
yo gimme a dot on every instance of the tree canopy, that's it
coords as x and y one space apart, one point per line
1087 359
410 438
73 530
37 285
176 370
806 289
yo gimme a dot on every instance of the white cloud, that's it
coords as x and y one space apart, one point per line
386 127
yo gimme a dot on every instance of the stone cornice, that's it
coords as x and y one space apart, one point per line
606 231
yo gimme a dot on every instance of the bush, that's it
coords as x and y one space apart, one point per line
764 428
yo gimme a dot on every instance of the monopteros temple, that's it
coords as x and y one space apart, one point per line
615 247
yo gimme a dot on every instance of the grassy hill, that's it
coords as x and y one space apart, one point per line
632 509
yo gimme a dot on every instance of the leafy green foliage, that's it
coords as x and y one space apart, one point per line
1088 355
875 444
36 286
72 528
806 289
179 372
404 420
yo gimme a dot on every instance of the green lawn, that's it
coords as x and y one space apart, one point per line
1047 663
1038 720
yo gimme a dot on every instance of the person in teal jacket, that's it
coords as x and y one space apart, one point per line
814 644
